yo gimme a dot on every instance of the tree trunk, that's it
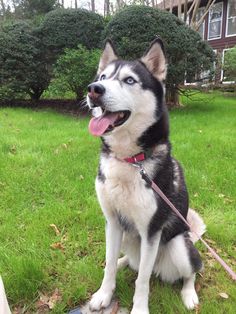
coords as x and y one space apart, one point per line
172 97
171 6
179 9
185 10
3 8
35 93
106 7
76 4
93 5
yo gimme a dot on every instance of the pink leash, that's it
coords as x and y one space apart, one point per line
168 202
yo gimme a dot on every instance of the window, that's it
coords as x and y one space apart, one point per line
201 29
225 76
231 18
215 21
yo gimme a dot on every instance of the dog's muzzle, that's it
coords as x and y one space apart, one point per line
95 92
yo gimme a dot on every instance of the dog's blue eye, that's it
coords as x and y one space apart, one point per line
103 77
129 80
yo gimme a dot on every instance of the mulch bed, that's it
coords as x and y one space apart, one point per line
65 106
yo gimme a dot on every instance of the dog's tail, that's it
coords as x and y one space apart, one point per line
197 226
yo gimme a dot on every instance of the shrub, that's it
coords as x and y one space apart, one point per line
76 68
22 66
133 28
67 28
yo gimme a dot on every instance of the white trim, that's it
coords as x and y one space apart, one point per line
203 31
204 21
227 18
222 71
221 21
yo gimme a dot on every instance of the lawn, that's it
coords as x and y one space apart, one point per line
51 227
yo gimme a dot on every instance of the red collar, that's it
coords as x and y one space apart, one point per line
136 158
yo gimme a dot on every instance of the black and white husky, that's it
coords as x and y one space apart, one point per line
127 100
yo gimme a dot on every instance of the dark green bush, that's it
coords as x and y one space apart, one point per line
67 28
22 66
133 28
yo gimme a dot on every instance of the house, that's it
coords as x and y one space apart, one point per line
218 27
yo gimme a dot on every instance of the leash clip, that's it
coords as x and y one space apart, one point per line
137 164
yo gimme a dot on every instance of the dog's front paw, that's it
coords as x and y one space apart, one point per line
101 299
189 298
139 310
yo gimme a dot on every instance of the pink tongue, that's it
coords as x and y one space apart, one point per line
97 126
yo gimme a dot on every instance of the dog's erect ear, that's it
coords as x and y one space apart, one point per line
155 60
107 57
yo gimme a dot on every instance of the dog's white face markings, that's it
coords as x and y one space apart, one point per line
121 96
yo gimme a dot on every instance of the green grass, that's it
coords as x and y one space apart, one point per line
47 168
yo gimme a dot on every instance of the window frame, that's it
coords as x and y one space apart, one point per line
203 23
220 36
227 19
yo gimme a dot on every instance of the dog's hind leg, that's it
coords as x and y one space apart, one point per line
188 293
122 262
180 259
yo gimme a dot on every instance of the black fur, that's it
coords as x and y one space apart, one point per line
194 255
101 177
125 223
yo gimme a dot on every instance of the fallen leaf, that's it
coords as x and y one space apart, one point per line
46 302
54 227
115 308
55 297
198 287
223 295
58 245
197 308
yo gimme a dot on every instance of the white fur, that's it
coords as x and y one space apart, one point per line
197 226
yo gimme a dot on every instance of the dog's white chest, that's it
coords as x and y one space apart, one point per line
125 192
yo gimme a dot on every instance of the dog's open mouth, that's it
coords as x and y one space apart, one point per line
107 122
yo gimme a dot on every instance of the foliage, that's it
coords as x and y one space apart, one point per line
76 68
230 64
67 28
133 28
29 8
22 66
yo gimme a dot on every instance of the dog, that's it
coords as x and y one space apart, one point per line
130 116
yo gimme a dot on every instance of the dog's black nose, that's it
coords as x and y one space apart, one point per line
95 90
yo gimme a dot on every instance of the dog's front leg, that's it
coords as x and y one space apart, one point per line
149 249
102 298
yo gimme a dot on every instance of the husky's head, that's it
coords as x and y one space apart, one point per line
127 96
